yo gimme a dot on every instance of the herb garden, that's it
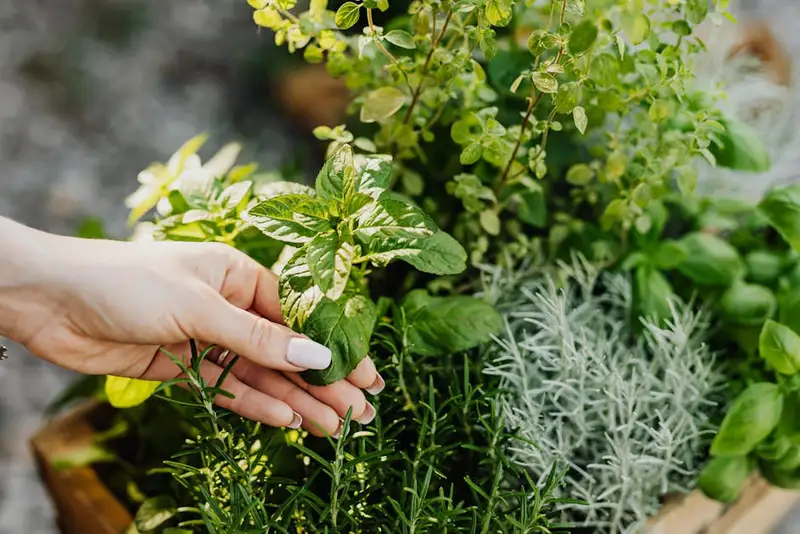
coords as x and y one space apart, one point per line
507 224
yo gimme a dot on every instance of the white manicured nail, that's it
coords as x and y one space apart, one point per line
297 420
376 386
307 354
368 416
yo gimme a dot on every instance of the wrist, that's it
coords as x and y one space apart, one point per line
24 278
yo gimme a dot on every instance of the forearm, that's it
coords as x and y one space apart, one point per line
24 264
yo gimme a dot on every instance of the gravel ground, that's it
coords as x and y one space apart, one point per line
91 91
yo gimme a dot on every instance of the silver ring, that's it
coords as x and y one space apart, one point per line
222 357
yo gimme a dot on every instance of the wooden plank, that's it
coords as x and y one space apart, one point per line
84 504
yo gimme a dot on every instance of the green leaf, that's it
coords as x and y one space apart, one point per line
780 346
373 173
583 37
544 82
667 255
580 174
710 261
532 208
293 218
789 460
569 96
128 392
347 15
789 309
471 153
490 222
336 179
437 254
400 38
763 266
499 12
299 294
752 416
659 111
652 294
345 327
580 118
741 149
636 27
390 218
83 456
381 104
696 11
722 479
781 207
437 326
789 424
330 263
789 480
747 304
154 512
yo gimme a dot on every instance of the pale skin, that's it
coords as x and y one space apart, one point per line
108 307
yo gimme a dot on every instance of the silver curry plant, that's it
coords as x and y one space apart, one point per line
629 413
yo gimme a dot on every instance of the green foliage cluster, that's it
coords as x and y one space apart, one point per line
537 117
760 429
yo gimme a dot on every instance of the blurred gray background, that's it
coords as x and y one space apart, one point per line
91 92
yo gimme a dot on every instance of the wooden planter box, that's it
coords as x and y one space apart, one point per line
86 506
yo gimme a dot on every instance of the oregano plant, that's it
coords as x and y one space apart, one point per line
344 226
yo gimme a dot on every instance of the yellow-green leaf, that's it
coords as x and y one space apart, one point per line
498 12
637 27
381 104
546 83
580 118
347 15
128 392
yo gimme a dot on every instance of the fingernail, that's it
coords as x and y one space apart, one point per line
368 415
338 433
376 386
297 420
307 354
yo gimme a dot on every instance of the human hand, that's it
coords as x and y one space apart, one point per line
106 307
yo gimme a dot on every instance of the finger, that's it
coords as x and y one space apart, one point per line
318 418
248 284
341 396
365 376
270 345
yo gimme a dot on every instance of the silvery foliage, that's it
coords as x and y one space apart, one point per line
629 413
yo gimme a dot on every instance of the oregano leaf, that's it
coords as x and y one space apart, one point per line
381 104
544 82
400 38
154 512
347 15
583 37
580 118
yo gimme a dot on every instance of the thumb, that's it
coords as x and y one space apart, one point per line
253 337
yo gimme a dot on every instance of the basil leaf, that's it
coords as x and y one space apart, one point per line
789 425
750 419
709 260
436 254
336 179
345 327
747 304
299 295
652 292
330 262
390 218
722 479
780 479
234 197
764 267
437 326
789 309
288 218
780 346
154 512
781 207
789 460
741 149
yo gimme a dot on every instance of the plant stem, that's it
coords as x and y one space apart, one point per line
532 101
435 40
